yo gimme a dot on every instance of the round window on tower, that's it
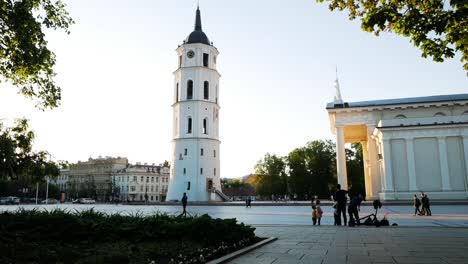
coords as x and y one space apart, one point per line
190 54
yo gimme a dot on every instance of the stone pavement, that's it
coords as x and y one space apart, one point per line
329 244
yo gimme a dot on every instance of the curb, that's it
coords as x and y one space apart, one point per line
300 203
241 252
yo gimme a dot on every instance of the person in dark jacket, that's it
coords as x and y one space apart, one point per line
184 204
341 199
353 211
416 204
426 204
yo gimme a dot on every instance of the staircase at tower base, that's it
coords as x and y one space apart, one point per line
221 195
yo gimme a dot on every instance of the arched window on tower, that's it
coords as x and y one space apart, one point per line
400 117
177 93
189 90
189 125
205 130
206 90
439 114
216 94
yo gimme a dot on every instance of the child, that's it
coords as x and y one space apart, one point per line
335 214
314 214
319 211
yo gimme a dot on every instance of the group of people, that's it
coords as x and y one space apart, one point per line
422 207
340 198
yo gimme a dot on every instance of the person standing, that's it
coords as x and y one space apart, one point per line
314 214
353 212
416 204
184 204
336 217
341 199
319 211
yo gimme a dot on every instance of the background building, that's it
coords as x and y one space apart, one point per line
141 183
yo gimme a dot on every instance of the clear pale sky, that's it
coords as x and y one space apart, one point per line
277 61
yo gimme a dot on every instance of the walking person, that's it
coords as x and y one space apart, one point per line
319 211
340 198
423 204
428 205
416 204
184 204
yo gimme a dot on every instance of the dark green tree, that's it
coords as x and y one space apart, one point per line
18 161
271 176
438 28
166 164
355 168
312 169
25 60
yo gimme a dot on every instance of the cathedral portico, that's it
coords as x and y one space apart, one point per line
409 145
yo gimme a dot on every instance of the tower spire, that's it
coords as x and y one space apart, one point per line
198 26
337 99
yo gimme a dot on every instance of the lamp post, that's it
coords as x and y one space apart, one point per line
37 191
47 190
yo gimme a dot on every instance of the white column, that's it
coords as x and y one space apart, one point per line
411 165
388 177
374 171
367 180
341 158
444 168
465 152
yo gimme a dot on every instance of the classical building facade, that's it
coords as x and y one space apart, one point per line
92 177
409 145
195 166
148 183
111 178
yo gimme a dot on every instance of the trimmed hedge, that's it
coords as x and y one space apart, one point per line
38 236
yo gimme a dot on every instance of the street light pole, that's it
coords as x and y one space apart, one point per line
37 191
47 191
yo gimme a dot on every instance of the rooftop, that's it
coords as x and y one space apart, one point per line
401 101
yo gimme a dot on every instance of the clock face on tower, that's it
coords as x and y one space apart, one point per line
190 54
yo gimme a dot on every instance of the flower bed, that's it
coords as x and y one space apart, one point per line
58 236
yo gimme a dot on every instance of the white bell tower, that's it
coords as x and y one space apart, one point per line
195 152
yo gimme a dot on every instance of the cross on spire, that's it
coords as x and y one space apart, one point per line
198 25
337 99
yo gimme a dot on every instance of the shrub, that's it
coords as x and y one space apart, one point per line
39 236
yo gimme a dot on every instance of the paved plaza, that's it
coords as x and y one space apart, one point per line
360 245
442 215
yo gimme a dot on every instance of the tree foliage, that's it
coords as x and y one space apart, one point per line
312 169
18 160
271 176
25 60
307 171
439 28
355 168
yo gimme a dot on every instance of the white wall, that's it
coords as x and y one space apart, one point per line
427 163
400 165
456 163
